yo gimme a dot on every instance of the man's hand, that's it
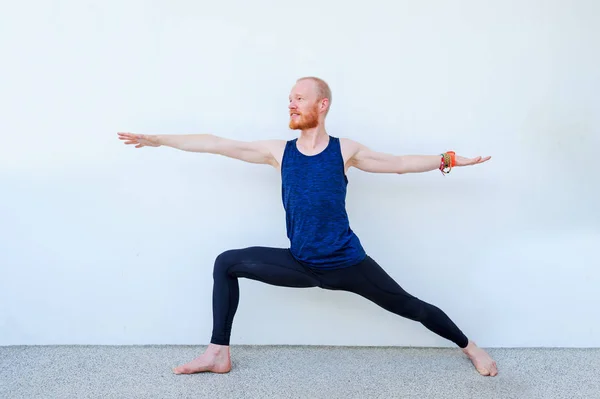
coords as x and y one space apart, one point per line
140 140
462 161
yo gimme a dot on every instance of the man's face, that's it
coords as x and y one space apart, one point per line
304 106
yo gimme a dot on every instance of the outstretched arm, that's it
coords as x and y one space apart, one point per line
363 158
261 152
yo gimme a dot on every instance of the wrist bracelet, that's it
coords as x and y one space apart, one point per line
448 160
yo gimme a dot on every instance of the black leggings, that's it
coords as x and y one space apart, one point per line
276 266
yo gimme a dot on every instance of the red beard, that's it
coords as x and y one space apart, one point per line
305 121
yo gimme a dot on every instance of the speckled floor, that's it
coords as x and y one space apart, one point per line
295 372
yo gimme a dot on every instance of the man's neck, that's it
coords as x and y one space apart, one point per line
313 138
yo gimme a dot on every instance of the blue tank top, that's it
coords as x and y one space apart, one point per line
314 199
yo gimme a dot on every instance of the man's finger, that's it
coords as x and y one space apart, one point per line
130 135
462 161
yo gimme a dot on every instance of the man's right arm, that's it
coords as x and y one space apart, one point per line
267 152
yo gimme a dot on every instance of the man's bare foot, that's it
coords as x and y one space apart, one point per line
216 359
483 362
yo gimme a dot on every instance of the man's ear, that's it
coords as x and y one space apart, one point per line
324 104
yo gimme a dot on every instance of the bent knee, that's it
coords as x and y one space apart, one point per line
224 261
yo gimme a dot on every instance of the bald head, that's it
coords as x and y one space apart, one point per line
321 88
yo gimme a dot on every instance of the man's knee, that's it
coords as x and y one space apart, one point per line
224 261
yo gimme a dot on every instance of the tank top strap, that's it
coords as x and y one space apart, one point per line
335 153
289 150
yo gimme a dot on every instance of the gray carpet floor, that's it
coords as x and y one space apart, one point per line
295 372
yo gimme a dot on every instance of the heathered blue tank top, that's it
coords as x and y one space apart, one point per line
314 198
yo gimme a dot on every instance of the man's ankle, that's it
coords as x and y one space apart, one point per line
470 346
215 348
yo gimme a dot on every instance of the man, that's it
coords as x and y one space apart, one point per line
324 251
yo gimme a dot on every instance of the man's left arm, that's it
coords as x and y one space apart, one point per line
363 158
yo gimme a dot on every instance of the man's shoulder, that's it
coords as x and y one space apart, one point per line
350 146
276 147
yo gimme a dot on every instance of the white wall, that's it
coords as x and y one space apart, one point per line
101 243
